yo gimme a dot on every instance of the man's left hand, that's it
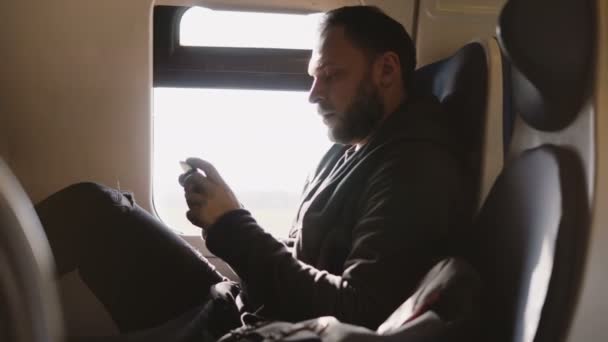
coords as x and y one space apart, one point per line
208 196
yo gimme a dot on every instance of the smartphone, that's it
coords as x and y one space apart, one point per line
185 166
188 169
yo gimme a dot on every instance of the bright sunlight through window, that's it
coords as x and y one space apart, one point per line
264 143
204 27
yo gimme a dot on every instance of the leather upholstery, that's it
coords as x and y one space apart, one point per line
527 243
459 82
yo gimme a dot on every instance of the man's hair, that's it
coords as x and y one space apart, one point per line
375 33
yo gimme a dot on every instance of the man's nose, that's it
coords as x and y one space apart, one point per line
315 95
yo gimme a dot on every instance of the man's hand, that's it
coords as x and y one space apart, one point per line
329 329
207 196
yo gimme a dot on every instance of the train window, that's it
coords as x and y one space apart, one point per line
200 27
254 124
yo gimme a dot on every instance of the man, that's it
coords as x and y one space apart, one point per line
377 214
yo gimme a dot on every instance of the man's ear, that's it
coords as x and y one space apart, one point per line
388 69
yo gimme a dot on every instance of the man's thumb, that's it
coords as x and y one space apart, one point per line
207 168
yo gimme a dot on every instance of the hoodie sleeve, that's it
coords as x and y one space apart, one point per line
406 212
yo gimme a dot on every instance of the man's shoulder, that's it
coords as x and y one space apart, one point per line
421 121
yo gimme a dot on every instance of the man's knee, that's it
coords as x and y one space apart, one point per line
94 195
77 218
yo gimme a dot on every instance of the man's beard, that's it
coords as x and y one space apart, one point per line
361 117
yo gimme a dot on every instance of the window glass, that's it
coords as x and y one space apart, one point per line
264 143
205 27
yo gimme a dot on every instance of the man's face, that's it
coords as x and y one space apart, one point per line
344 88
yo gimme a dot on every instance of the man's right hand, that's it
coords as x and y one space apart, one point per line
207 195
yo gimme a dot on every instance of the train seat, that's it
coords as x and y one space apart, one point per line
30 309
529 239
469 86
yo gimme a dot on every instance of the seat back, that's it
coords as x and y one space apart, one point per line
469 86
29 304
526 245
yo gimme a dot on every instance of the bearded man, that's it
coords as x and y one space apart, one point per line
380 209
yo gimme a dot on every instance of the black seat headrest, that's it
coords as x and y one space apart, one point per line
459 82
551 45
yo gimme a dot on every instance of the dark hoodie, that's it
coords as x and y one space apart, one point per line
367 231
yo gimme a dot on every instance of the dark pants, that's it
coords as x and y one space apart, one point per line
153 284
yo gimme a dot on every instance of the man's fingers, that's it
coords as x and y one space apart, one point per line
195 200
196 182
207 168
191 216
322 323
182 178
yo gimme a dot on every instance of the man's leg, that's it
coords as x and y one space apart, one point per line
192 326
142 272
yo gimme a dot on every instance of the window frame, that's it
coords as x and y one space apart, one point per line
221 67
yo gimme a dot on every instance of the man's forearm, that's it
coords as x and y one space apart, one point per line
288 288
